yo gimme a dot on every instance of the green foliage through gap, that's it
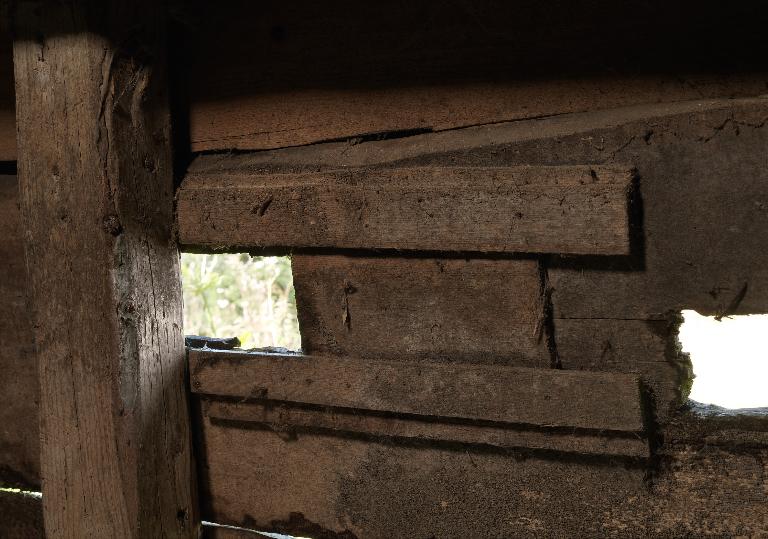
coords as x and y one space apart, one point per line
236 295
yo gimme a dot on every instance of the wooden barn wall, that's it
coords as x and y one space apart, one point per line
697 227
639 84
342 69
276 74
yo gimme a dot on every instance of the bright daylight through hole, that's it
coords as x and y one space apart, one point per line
236 295
730 359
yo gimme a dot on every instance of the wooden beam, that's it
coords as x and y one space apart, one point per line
406 309
306 484
567 209
298 420
542 397
97 200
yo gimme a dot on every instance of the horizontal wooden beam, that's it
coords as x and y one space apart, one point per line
403 309
560 209
292 419
541 397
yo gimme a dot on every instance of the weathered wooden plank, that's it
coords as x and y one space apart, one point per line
19 388
702 173
571 209
21 516
315 485
473 67
545 397
482 311
96 185
648 348
293 420
277 75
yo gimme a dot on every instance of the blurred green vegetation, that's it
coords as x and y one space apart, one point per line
252 298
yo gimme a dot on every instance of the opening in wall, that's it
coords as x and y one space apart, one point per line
730 359
236 295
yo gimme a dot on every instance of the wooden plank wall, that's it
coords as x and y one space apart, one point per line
638 84
700 175
369 68
344 69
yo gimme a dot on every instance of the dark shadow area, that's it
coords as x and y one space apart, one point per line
347 44
8 168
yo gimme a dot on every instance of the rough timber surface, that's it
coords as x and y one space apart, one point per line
453 65
282 74
702 170
648 348
480 311
291 418
21 516
327 486
317 485
19 387
96 192
543 397
569 209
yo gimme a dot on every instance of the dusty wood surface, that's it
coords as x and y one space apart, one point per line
294 420
545 397
574 209
19 388
648 348
277 75
482 311
317 485
97 196
452 65
21 516
702 175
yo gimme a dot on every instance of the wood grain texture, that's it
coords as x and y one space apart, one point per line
702 173
481 311
576 209
97 200
295 420
319 485
19 387
545 397
21 516
648 348
277 75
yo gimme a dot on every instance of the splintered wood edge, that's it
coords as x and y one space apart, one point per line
513 395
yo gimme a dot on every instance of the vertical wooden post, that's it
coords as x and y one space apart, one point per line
97 200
